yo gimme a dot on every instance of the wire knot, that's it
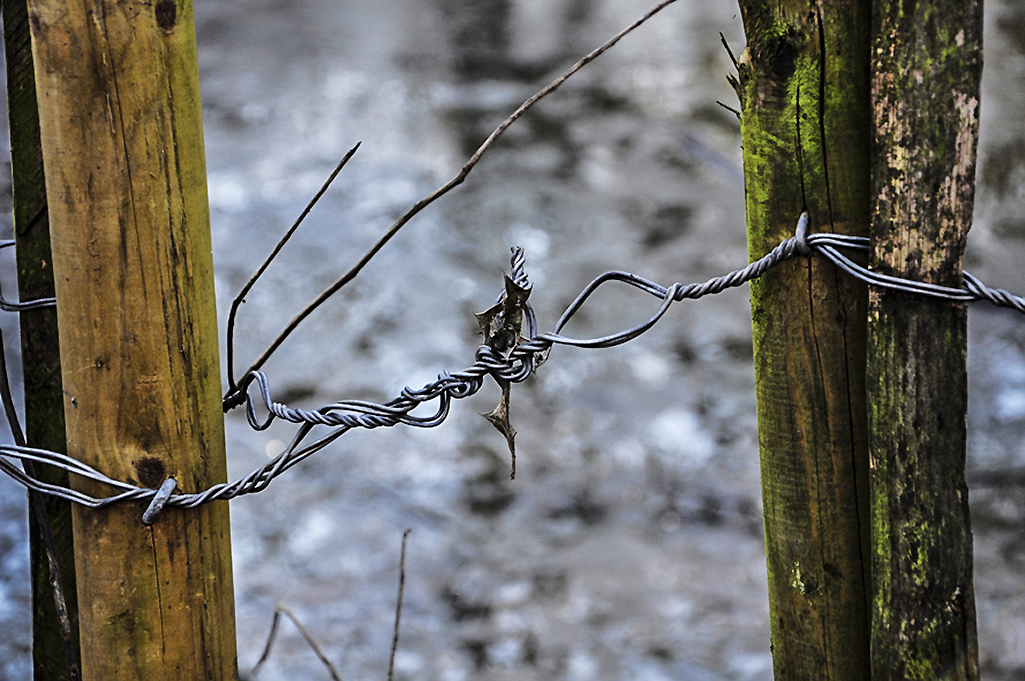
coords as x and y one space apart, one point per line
801 244
159 501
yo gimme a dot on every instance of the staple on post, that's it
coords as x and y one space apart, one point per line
159 501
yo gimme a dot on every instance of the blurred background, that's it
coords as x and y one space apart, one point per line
630 544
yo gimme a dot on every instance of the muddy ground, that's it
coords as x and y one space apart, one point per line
630 544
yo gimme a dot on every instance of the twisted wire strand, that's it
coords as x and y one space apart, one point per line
972 288
514 366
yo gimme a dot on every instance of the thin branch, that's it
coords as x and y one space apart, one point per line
284 610
734 83
732 79
398 606
270 642
240 298
448 186
730 109
733 58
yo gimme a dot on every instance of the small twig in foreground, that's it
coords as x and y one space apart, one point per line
398 606
335 676
445 188
284 610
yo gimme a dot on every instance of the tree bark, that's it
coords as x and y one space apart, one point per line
804 89
125 173
40 351
927 64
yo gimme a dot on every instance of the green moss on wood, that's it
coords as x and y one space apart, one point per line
805 132
925 112
122 141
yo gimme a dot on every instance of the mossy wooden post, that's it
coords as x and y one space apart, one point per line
119 106
804 90
40 351
927 64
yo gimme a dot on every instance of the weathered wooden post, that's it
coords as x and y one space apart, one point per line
927 64
119 108
804 91
40 353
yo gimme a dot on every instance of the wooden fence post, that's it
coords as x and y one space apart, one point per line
804 90
40 353
118 92
927 64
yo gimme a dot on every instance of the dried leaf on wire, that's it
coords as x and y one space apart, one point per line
501 325
499 418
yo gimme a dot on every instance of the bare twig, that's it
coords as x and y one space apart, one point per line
284 610
730 109
447 187
241 297
732 79
733 58
398 606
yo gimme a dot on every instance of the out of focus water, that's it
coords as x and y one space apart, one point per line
629 546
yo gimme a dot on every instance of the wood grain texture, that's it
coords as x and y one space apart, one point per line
40 349
927 64
803 84
125 173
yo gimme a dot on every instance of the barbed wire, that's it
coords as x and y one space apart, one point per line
513 365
